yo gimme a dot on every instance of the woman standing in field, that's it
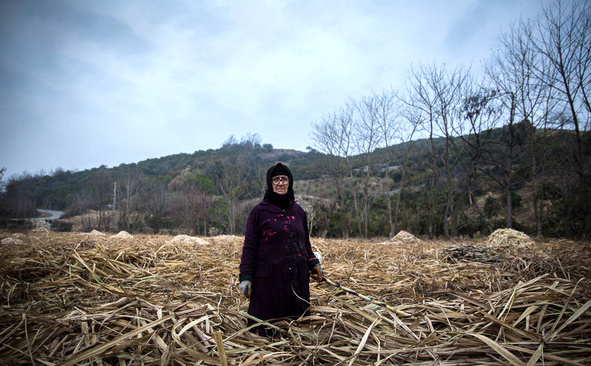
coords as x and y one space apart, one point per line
277 257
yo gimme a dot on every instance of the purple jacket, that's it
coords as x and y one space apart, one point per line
277 257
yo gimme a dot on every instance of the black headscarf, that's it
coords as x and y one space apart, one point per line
280 200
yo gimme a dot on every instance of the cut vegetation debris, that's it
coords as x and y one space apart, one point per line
79 299
509 237
471 253
402 237
123 235
190 240
96 232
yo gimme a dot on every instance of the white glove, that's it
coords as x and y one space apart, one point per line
246 288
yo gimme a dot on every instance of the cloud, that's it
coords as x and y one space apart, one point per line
88 83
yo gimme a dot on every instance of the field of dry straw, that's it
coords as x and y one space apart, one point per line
96 299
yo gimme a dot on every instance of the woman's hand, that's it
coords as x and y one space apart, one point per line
317 273
246 288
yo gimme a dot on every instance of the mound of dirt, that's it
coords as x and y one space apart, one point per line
96 232
509 238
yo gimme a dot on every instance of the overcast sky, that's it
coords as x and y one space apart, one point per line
86 83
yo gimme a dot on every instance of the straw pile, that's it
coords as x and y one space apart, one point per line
41 226
509 237
15 238
123 235
228 239
188 240
402 237
70 299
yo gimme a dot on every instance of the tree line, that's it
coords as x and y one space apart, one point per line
200 193
524 122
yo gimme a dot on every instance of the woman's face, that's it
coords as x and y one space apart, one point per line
280 184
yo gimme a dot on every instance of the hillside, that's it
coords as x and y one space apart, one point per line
211 191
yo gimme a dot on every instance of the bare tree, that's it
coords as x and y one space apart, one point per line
155 202
528 96
424 103
392 128
506 75
232 171
435 94
407 123
192 200
322 214
517 62
21 195
347 150
2 183
447 87
481 115
3 208
328 140
132 186
366 140
101 190
332 136
562 37
82 203
385 112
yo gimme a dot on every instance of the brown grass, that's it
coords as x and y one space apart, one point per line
73 298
